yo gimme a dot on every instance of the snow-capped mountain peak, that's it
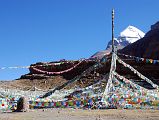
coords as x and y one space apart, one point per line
131 34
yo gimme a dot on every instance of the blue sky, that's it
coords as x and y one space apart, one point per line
49 30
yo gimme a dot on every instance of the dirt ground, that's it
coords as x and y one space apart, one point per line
76 114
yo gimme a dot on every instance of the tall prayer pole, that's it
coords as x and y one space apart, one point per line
112 30
109 90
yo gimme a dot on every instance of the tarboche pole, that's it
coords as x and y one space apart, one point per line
112 30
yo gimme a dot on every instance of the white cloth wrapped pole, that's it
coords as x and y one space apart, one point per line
109 85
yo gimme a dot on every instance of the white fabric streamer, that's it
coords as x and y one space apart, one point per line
136 72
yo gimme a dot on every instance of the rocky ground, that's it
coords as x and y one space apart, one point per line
26 84
76 114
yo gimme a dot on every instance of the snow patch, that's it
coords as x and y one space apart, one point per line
131 34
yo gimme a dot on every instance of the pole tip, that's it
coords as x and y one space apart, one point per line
113 10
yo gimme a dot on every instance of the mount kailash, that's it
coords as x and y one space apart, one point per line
128 36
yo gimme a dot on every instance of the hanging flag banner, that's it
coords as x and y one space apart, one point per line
49 64
138 59
17 67
60 72
137 73
127 81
